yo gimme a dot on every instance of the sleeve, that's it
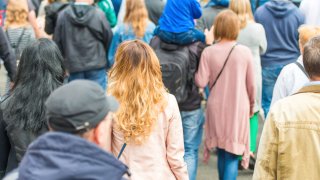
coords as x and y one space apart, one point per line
250 82
106 33
203 74
263 40
175 144
266 163
49 21
113 48
196 9
31 7
5 147
57 34
280 88
7 55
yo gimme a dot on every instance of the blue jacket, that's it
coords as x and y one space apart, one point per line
178 15
57 155
125 32
281 20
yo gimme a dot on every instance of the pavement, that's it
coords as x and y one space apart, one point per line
210 171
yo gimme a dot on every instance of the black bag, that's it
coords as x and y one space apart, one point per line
175 63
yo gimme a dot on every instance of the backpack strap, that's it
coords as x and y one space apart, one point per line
302 68
224 65
19 40
122 149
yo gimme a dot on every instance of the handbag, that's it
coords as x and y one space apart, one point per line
224 65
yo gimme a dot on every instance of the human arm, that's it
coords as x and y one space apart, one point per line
33 19
7 55
202 76
57 35
266 163
175 143
196 9
49 21
107 34
250 82
263 40
5 147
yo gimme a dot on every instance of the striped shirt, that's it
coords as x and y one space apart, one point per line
14 35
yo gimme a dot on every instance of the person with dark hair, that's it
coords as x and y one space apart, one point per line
79 139
22 114
83 35
7 55
290 141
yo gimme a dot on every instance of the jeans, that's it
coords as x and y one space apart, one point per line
269 78
184 38
192 122
98 76
227 165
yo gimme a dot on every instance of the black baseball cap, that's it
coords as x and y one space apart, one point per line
78 106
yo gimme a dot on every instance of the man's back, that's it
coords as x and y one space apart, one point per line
281 20
290 142
83 36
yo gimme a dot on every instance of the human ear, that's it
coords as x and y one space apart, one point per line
103 133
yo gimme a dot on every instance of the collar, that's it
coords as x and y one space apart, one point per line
300 60
311 87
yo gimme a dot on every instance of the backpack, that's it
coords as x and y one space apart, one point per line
175 63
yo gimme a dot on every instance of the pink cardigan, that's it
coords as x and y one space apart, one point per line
161 156
231 100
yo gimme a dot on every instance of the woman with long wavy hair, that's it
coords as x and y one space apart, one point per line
148 119
22 114
136 25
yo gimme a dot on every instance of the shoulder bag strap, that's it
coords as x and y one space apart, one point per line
122 149
224 65
302 68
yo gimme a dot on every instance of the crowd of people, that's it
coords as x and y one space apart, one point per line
114 89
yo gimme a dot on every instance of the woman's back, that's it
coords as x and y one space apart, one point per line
161 155
19 38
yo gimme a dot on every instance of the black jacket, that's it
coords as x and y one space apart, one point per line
194 99
83 35
14 142
52 11
7 55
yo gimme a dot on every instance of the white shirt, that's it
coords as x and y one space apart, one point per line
290 81
311 10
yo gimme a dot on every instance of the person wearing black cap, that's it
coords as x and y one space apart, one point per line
79 116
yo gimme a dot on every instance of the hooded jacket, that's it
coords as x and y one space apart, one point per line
83 35
58 155
281 20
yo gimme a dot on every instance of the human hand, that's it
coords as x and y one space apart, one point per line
209 35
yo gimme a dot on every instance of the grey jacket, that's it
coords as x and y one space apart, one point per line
155 8
83 35
7 55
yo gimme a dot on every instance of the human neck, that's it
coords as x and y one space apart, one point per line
315 78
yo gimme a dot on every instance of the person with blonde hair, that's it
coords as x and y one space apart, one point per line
148 119
18 30
253 36
227 68
136 25
293 76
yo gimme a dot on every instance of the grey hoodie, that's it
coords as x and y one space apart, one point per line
83 35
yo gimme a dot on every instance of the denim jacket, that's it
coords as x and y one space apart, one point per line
125 32
290 141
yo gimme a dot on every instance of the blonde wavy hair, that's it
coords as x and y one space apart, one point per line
243 9
137 16
136 81
17 13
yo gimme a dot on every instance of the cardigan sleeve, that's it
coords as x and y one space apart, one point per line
203 74
175 143
250 82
